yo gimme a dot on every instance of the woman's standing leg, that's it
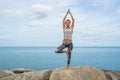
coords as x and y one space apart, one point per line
70 47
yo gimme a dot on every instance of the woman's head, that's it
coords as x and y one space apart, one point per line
68 22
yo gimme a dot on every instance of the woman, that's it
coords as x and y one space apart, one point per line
67 42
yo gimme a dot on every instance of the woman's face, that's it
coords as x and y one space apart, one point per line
67 23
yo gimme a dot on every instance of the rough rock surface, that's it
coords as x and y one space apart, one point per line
21 70
75 73
112 75
34 75
81 73
4 74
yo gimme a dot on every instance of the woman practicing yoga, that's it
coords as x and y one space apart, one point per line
67 42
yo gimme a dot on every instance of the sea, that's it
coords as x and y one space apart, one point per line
42 58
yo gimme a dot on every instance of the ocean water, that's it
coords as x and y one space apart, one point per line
40 58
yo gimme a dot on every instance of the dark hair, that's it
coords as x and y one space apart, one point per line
68 20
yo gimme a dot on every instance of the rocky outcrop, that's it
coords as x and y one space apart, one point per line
112 75
21 70
4 74
81 73
75 73
34 75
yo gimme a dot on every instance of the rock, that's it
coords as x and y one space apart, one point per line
21 70
12 77
75 73
4 74
81 73
34 75
112 75
9 71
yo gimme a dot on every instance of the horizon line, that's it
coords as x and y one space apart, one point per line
74 46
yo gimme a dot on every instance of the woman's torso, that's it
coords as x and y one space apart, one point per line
68 35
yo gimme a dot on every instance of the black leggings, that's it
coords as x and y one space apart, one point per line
69 45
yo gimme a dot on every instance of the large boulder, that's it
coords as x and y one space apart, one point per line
34 75
112 75
4 74
21 70
80 73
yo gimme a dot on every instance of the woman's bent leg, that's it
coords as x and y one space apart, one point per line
60 49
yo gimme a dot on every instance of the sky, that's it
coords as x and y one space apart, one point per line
39 22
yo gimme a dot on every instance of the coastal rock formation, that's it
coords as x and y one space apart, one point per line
112 75
75 73
34 75
81 73
21 70
4 74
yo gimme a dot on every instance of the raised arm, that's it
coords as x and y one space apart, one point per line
64 20
73 20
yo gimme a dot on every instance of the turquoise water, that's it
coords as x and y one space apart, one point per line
40 58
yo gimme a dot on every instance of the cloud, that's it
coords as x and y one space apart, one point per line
118 10
103 3
13 14
96 22
39 11
95 28
31 12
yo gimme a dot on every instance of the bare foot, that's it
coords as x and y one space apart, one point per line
67 67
